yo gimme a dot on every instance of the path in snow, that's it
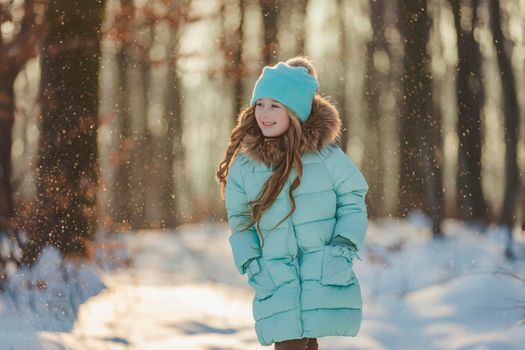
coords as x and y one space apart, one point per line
183 293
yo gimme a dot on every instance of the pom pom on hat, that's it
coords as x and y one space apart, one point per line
292 86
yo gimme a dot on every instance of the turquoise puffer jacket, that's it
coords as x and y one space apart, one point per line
302 277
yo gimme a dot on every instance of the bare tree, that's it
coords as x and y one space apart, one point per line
67 170
142 157
122 188
300 10
511 125
172 146
231 45
270 13
419 128
375 81
470 99
343 59
14 55
237 59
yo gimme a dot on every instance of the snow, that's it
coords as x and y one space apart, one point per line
180 290
45 298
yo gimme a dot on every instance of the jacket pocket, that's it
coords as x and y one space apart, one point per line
336 268
260 280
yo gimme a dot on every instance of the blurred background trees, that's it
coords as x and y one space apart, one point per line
113 115
66 173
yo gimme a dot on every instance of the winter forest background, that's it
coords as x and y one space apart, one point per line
115 113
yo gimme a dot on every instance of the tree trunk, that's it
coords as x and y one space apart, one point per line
374 84
415 103
419 128
13 57
122 188
270 13
7 209
435 196
300 10
143 160
7 119
470 97
172 146
511 125
232 47
67 171
341 89
239 69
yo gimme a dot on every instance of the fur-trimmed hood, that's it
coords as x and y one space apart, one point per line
323 127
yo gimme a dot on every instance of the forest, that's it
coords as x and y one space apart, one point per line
115 113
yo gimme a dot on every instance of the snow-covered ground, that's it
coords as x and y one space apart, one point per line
181 291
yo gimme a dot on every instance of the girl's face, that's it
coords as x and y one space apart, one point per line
272 117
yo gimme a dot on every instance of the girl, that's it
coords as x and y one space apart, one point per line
296 208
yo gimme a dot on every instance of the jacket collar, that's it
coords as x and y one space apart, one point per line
322 128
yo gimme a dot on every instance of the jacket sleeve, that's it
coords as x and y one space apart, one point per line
350 187
244 243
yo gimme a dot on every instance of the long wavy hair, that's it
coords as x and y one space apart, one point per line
290 141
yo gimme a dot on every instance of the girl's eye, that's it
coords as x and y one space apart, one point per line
276 106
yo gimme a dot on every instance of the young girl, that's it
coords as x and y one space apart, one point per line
296 208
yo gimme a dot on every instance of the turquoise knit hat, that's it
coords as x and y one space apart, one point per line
294 87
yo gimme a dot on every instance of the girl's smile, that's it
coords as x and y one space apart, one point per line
272 117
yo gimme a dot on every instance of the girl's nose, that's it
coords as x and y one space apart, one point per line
266 111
